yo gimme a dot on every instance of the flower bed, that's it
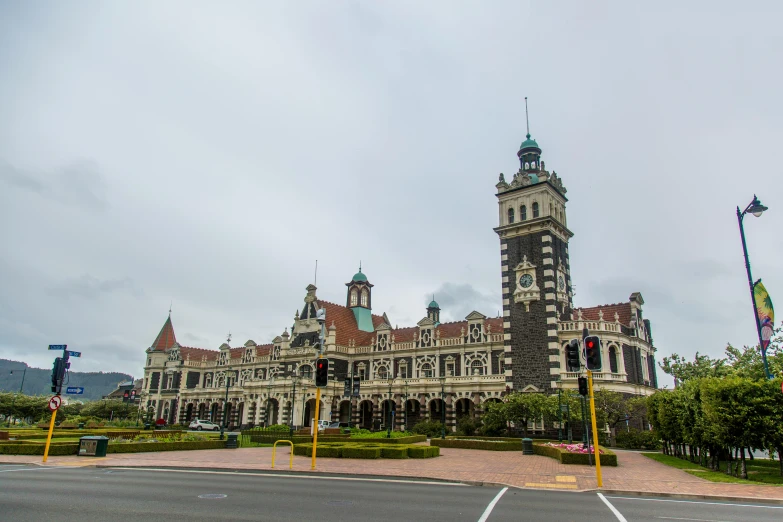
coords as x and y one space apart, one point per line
574 453
368 451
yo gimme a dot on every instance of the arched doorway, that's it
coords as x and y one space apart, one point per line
213 412
225 418
237 421
272 412
464 408
345 411
189 413
436 410
365 415
307 416
388 414
202 409
413 412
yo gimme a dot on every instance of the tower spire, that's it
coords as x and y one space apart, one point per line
527 119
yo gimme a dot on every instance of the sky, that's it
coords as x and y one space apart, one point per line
202 156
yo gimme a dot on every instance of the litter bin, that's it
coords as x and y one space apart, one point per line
147 426
93 446
81 425
231 440
527 446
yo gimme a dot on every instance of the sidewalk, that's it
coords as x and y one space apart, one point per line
635 473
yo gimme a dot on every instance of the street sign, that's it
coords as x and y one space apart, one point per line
74 354
347 389
55 402
58 346
74 390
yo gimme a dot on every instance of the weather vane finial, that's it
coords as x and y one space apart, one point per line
360 265
170 305
527 119
228 340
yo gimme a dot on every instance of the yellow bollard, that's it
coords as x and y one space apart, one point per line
274 449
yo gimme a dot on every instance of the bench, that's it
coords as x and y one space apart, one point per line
114 435
3 435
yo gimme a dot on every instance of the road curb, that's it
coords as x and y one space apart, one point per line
691 496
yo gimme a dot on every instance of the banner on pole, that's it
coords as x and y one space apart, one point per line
766 313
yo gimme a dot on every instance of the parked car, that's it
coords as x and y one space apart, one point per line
322 425
340 425
200 425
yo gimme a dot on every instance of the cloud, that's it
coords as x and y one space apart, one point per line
90 287
457 300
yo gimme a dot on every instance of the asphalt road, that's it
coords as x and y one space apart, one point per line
35 493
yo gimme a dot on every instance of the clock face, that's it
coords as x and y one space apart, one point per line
526 281
560 282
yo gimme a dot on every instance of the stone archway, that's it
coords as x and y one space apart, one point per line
202 409
189 413
388 414
345 411
365 414
214 412
464 407
272 412
436 409
413 412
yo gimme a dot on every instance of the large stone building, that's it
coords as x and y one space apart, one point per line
418 372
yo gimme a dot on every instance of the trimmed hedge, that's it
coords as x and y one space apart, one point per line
65 448
608 458
413 439
394 452
144 447
423 452
500 445
361 452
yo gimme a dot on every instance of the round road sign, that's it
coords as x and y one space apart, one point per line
55 402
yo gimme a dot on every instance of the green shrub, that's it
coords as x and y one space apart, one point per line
144 447
608 458
467 425
361 452
70 448
411 439
364 434
429 428
635 439
423 452
394 452
501 445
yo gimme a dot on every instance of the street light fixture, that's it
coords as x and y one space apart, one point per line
756 208
13 401
443 406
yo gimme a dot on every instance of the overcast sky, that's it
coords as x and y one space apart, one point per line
207 153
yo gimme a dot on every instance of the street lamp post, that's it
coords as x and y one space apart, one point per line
13 401
269 400
294 379
304 400
756 208
405 404
389 420
224 424
443 406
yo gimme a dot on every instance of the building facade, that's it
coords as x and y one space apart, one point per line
432 370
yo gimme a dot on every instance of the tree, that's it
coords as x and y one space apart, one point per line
115 409
493 422
702 366
748 363
522 408
774 432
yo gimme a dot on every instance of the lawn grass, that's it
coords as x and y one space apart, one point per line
763 471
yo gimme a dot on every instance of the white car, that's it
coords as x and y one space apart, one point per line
322 425
200 425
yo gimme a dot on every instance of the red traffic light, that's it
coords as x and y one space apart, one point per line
590 343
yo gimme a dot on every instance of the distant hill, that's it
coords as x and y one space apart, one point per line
38 381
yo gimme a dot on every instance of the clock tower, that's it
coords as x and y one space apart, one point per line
536 278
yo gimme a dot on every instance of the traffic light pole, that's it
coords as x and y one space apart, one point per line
321 317
49 437
595 431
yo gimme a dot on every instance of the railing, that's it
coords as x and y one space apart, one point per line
603 326
598 376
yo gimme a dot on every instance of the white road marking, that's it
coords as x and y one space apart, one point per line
619 515
491 505
700 502
28 469
296 476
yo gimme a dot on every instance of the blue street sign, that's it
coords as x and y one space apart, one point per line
73 390
74 354
58 346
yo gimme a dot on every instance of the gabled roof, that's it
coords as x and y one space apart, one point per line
165 338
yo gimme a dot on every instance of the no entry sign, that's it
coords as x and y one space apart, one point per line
54 403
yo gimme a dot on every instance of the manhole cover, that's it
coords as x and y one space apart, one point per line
212 495
339 503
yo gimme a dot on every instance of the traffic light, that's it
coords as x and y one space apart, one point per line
572 356
58 370
321 372
583 386
593 352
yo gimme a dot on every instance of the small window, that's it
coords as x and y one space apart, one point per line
476 368
403 371
510 215
426 371
306 371
535 209
449 369
354 297
364 298
522 213
533 164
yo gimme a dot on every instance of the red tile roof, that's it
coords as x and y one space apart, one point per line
622 309
165 338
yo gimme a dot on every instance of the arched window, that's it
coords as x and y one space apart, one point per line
426 371
365 296
527 165
510 215
476 368
354 297
613 359
382 372
533 164
306 371
522 213
535 209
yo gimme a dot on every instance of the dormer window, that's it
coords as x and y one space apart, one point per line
354 297
535 209
523 213
510 215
